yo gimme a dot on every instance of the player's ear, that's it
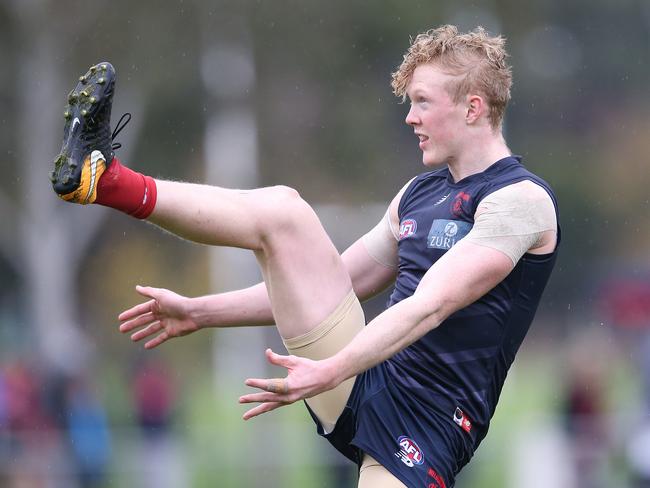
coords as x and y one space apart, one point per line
475 107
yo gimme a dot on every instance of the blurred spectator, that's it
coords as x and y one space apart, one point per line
160 461
3 401
34 451
626 304
24 411
638 452
154 398
584 410
88 434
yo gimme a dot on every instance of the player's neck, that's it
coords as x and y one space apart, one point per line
478 156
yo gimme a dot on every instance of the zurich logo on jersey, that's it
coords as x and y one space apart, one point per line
407 228
446 233
409 452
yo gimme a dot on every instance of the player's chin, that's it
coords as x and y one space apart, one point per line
430 160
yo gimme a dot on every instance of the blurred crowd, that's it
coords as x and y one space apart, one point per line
55 430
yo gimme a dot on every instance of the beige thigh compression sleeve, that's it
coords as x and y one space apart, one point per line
374 475
328 338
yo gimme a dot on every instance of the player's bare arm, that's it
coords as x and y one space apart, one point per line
167 314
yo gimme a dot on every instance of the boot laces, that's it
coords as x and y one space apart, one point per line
121 124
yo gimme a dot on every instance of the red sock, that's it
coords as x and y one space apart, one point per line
126 190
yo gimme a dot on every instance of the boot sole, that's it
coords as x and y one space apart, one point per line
75 176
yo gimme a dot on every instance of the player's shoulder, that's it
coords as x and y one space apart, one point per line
511 170
524 191
522 198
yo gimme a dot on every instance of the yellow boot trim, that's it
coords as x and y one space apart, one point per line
93 168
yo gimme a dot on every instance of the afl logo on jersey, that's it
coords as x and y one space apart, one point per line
409 452
407 228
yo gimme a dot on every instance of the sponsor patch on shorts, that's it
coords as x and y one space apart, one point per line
462 420
444 234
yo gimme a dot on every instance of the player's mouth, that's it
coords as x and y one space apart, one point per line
423 139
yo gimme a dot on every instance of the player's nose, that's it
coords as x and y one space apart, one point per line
412 117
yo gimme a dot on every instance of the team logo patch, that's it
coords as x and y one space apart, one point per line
409 452
446 233
461 203
407 228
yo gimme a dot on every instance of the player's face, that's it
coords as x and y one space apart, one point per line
438 122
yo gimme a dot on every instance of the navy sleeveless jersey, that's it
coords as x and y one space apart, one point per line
423 412
460 367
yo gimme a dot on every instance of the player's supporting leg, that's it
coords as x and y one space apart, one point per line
310 289
374 475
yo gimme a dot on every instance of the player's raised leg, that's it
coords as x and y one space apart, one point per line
306 279
310 290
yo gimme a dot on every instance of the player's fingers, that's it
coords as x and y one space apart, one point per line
135 311
139 321
278 359
149 291
263 408
272 385
152 328
261 397
156 341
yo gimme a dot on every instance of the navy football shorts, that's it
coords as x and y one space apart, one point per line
419 447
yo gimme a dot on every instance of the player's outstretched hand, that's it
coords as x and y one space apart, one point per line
161 318
306 378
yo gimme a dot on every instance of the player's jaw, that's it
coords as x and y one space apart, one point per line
427 147
433 154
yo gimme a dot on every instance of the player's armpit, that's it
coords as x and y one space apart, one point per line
515 219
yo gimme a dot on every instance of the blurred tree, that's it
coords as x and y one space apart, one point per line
41 248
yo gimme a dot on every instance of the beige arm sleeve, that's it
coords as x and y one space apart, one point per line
513 219
381 242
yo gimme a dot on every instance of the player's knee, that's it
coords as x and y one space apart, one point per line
285 194
286 210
